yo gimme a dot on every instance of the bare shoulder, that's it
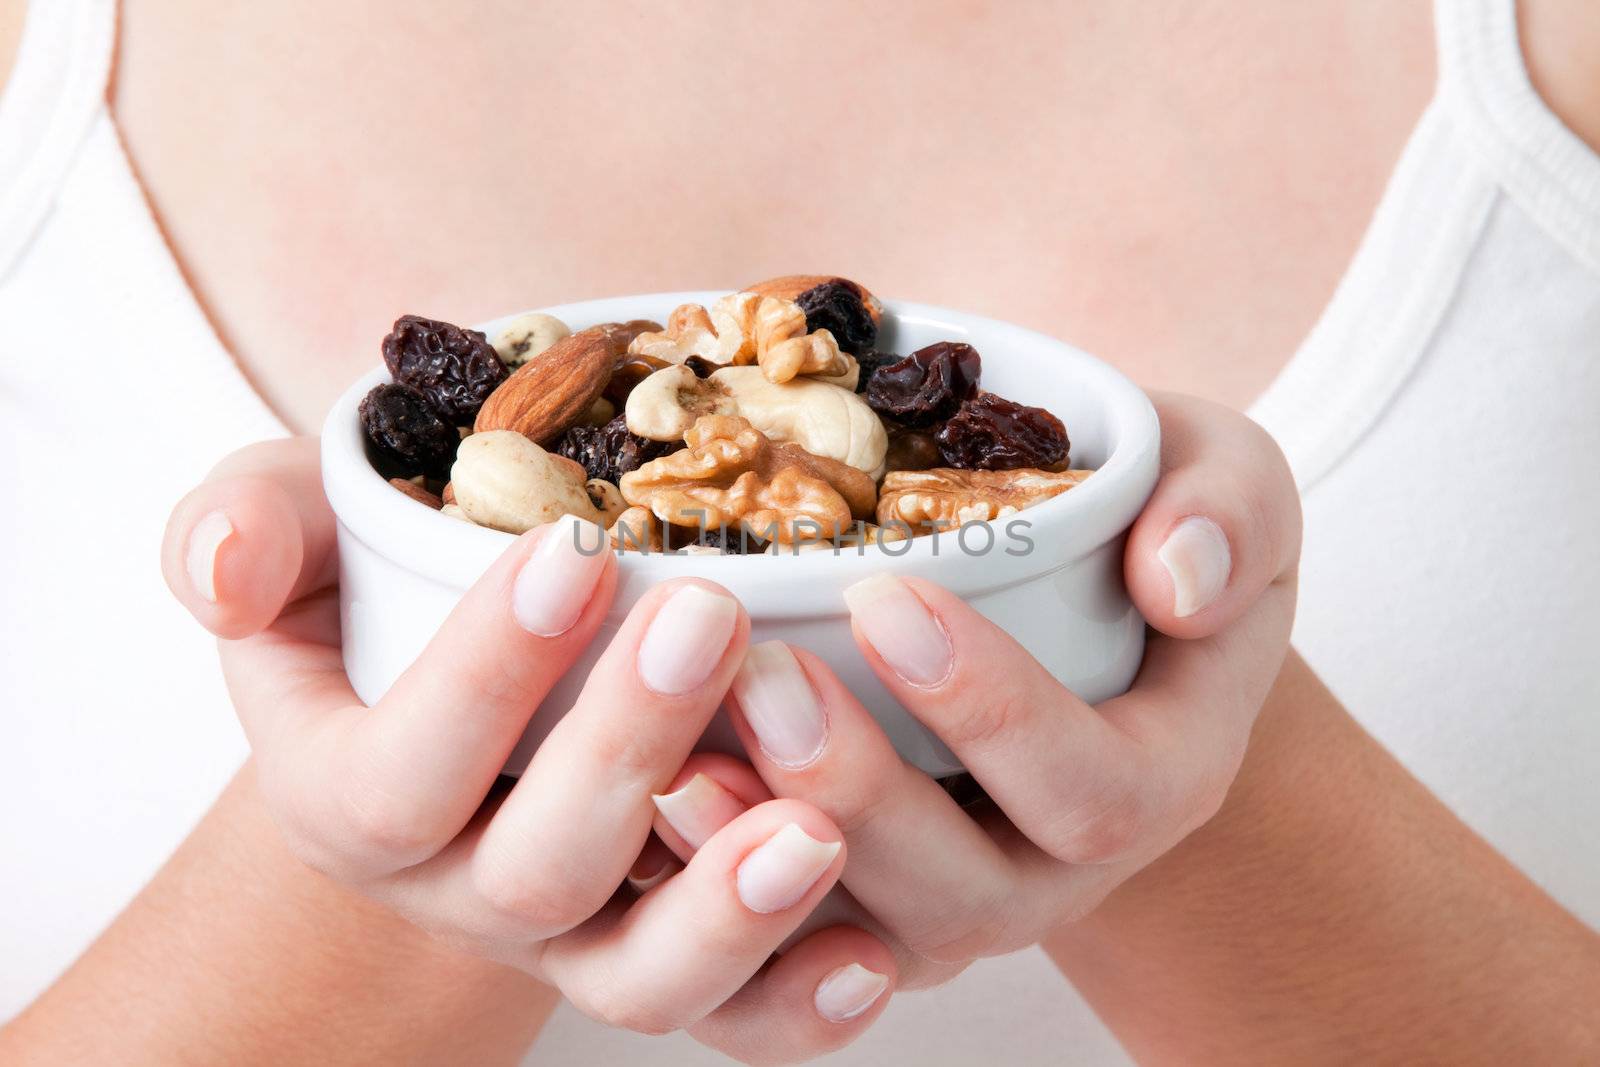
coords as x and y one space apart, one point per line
1561 43
11 12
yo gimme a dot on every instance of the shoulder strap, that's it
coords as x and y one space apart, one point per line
56 90
1485 89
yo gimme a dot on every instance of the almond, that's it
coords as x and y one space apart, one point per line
791 286
416 492
556 388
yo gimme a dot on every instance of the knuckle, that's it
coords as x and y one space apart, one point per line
625 1007
1096 833
970 930
978 719
526 901
384 828
855 805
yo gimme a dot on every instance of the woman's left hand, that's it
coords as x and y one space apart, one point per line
1079 797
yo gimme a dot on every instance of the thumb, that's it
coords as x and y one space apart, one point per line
1222 526
255 535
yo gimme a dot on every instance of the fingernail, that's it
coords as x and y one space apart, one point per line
849 991
899 626
699 809
686 640
782 868
1196 554
204 541
779 704
641 879
557 579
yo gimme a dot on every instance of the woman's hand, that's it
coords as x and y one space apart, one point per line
391 799
1080 797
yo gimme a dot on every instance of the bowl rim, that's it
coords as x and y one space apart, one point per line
1064 528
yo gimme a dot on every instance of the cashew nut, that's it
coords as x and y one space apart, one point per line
666 404
527 336
821 418
502 479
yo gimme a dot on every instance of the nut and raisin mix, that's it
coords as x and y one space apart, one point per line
765 423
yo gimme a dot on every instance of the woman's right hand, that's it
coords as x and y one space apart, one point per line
403 799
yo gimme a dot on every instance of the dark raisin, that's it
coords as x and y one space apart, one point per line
928 385
991 433
911 450
405 435
870 361
455 368
610 451
734 541
837 306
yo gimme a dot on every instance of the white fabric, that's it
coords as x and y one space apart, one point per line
1442 420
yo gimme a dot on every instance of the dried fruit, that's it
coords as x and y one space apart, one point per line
928 385
610 451
837 305
556 388
405 434
869 362
992 433
454 368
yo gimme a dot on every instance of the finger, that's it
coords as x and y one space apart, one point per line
376 790
707 793
256 534
918 862
1053 765
818 996
688 945
705 785
1222 525
1087 785
565 837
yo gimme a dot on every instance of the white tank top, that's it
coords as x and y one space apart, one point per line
1442 419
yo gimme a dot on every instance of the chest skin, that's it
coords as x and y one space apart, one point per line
1174 186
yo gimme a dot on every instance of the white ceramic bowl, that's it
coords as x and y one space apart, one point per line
402 566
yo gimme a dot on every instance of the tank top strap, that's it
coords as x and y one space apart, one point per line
55 93
1485 88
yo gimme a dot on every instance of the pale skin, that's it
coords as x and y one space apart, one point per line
1268 216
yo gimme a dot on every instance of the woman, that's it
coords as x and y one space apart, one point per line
293 150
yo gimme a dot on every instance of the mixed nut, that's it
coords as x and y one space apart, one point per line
768 421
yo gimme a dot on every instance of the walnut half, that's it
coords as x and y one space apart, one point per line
732 474
944 498
744 328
